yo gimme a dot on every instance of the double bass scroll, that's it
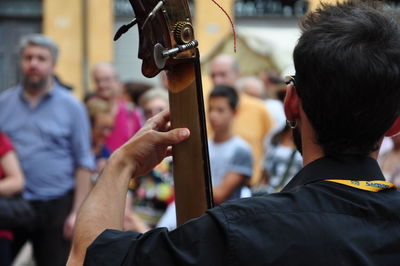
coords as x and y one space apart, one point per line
167 42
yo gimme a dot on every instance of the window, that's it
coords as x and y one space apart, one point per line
262 8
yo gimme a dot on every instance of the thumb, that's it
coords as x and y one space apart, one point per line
174 136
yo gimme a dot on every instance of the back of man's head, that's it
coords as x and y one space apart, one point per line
348 75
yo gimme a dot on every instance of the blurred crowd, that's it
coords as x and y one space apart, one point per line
53 147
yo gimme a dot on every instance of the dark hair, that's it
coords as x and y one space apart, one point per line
227 92
347 65
135 89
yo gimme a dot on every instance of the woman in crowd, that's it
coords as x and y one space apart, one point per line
11 183
102 122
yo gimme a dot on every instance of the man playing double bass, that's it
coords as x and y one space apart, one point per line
337 210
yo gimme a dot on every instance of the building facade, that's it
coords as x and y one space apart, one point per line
84 30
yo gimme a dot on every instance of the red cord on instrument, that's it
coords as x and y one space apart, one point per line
233 25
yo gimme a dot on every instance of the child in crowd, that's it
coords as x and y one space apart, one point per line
230 156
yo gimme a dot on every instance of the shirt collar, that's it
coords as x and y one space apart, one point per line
50 93
347 167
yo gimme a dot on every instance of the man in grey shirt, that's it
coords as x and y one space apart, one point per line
50 131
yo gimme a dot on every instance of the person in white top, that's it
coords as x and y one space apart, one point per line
230 156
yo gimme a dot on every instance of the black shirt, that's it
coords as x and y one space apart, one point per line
311 222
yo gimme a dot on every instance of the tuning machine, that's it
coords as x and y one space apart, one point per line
183 32
161 54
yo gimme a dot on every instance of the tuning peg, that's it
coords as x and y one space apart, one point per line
161 54
124 28
153 12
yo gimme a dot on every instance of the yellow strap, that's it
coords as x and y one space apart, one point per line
374 186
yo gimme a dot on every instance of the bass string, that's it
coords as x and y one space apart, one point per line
231 21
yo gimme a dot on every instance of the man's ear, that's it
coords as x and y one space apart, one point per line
292 103
394 129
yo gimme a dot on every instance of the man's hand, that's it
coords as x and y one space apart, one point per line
104 207
151 144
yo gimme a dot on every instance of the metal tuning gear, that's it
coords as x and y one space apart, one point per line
161 54
183 32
